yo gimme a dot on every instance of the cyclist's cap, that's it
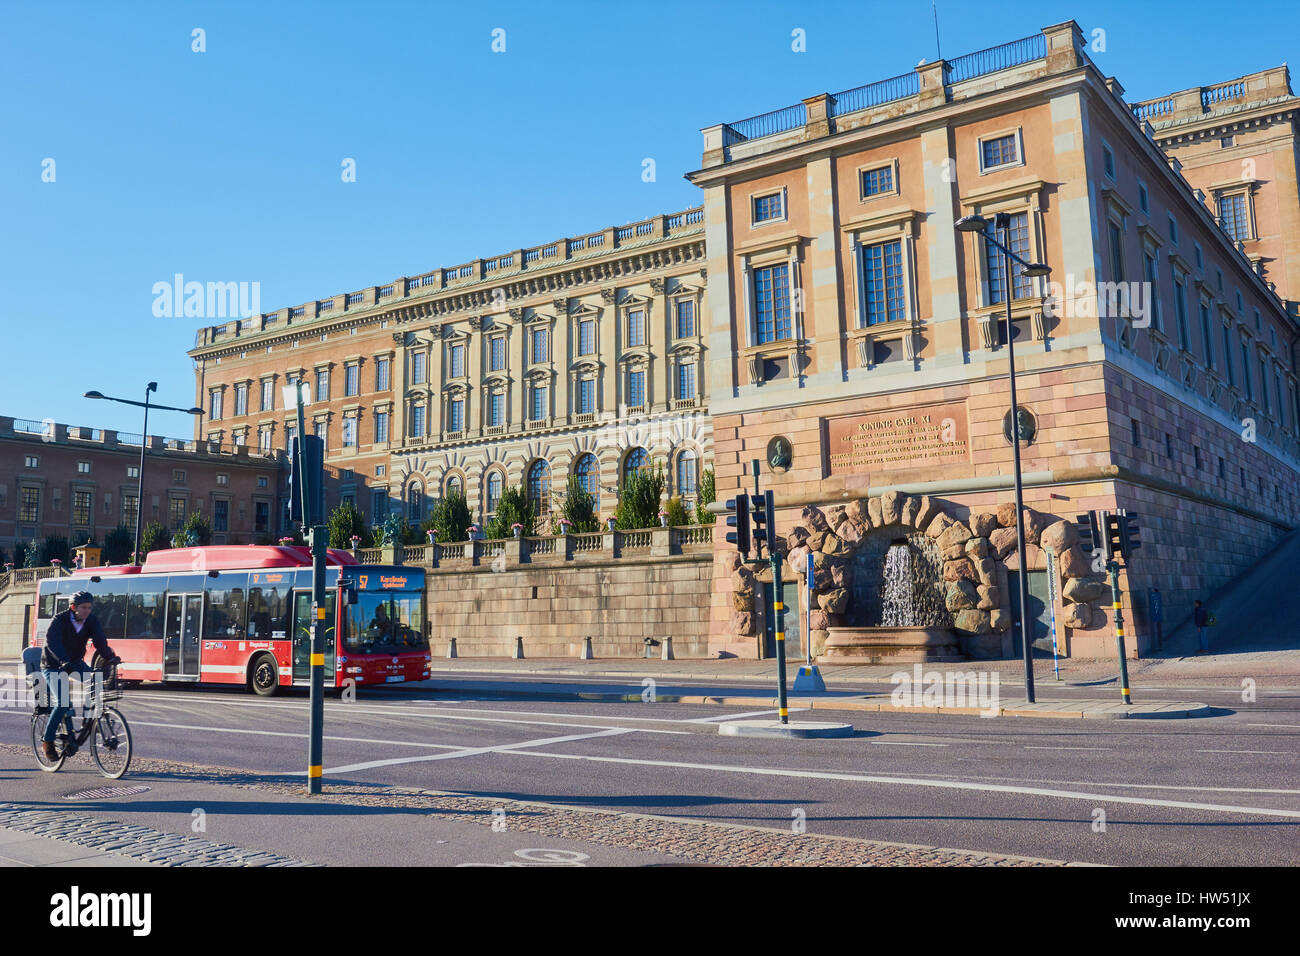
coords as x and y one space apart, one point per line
83 597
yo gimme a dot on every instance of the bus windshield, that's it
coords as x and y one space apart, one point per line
385 622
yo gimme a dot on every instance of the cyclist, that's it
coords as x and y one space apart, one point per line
64 653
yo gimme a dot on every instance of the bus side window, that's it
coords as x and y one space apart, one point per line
266 614
47 605
144 610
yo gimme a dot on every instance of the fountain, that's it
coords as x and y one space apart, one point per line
905 619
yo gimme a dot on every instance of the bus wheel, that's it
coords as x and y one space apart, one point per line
263 678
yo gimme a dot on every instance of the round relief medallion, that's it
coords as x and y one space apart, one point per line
1026 426
779 453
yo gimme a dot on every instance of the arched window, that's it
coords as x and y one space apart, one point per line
415 502
454 486
588 472
494 486
636 460
686 473
539 487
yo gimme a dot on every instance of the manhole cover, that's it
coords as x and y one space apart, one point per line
101 793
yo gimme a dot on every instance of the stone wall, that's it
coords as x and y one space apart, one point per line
617 603
14 601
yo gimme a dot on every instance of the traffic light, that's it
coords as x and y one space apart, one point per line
1130 534
1114 536
308 460
1089 533
740 521
758 523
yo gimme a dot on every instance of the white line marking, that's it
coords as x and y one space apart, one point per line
337 707
1287 726
473 751
906 743
1285 753
1028 747
298 736
924 782
752 713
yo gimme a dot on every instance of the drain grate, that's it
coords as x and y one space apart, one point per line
101 793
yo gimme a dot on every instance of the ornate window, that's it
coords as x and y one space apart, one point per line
415 502
637 459
539 487
686 473
588 471
495 484
772 303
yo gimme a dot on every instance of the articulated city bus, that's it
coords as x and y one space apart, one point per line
242 615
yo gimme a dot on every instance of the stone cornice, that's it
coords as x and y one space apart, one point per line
621 267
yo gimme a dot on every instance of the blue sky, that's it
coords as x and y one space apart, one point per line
226 165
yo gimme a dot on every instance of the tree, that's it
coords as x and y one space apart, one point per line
513 508
195 532
32 554
153 538
48 550
579 507
450 518
677 515
344 522
396 531
117 546
708 495
638 499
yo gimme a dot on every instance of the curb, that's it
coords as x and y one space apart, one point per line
1095 710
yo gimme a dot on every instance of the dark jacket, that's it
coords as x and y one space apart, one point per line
1200 616
63 644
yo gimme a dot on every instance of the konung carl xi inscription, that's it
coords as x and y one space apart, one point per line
898 440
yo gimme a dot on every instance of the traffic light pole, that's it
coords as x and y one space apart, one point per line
317 539
779 606
1113 567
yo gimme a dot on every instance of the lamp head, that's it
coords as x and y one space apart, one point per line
972 224
93 395
1036 271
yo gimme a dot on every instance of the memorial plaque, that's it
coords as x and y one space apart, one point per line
898 440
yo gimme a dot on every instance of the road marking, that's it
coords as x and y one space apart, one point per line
1287 726
1285 753
297 736
473 751
1028 747
926 782
752 713
906 743
339 707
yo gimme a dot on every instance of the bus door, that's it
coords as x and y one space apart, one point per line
181 640
302 624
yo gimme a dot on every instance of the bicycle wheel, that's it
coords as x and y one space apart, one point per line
39 723
110 744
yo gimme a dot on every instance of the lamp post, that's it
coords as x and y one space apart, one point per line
1002 223
144 438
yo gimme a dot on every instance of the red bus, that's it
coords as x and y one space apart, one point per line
242 615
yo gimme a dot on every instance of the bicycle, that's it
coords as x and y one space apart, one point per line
107 731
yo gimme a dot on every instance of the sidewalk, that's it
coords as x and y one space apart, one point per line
192 815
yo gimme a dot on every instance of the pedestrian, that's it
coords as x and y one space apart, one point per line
1201 618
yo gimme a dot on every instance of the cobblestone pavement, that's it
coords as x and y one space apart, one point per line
693 842
137 842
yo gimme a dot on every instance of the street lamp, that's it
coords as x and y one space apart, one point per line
1002 223
144 438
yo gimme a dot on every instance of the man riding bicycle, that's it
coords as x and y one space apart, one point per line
64 653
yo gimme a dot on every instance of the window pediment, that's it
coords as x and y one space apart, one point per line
984 200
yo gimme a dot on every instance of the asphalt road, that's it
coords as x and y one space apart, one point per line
1222 790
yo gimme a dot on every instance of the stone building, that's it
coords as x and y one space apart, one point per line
584 355
79 483
857 343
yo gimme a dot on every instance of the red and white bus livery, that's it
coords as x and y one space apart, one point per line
242 615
